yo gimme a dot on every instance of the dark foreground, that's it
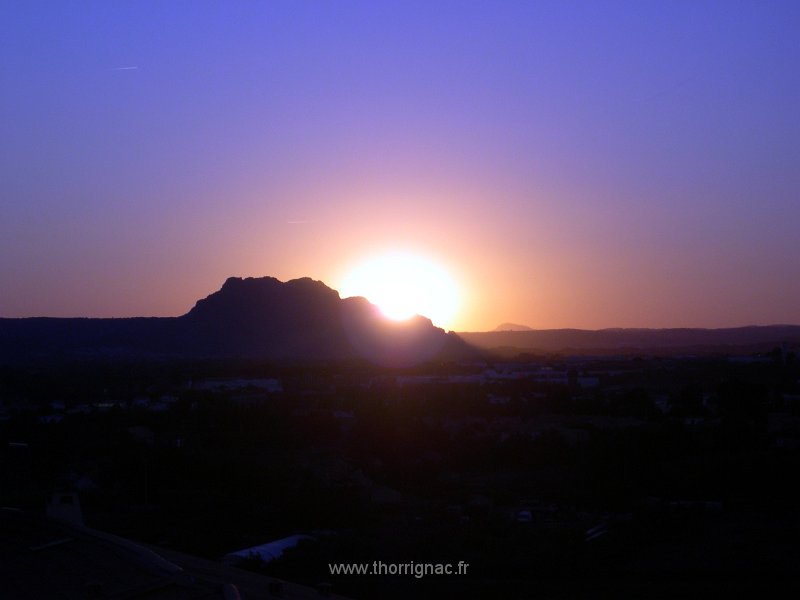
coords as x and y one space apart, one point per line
550 478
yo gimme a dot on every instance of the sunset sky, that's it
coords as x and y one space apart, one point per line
568 164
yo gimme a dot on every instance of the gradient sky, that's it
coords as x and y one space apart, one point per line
572 164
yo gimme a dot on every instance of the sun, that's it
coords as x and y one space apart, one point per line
403 285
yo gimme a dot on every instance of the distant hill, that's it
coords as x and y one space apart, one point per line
512 327
254 318
632 341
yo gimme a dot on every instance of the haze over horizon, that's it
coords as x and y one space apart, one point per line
609 165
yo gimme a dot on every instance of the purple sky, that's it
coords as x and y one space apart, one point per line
572 164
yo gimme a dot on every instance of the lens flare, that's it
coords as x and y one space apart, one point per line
403 285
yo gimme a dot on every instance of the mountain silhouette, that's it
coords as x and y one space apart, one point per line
251 318
302 319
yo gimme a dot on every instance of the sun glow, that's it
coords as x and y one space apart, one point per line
404 285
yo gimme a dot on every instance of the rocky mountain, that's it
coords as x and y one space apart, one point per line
253 318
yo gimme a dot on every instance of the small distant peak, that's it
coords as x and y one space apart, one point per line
512 327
